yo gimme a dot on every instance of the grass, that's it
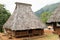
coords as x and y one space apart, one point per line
46 37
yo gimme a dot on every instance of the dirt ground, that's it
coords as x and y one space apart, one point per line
47 36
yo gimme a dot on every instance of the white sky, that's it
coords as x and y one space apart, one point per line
36 4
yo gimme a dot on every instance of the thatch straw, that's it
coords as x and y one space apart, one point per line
23 18
55 16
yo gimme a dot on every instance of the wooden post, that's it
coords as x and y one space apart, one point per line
5 33
28 35
59 37
54 26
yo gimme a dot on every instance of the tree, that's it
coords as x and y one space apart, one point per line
44 16
4 15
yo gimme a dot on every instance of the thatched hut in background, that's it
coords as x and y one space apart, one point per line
23 22
55 20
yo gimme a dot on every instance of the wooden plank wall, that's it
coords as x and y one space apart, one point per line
37 32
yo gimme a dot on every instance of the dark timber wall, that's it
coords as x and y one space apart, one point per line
56 28
26 33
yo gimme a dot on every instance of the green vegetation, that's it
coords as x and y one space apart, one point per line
4 15
44 16
45 12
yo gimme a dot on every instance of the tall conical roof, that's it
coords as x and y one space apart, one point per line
23 18
55 16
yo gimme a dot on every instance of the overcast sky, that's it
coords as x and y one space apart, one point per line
36 4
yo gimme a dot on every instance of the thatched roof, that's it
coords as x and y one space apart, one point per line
55 16
23 18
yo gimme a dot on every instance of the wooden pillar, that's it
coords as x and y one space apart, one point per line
54 26
4 30
13 33
28 35
42 31
59 37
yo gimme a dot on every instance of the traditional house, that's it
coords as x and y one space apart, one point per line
55 20
23 22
